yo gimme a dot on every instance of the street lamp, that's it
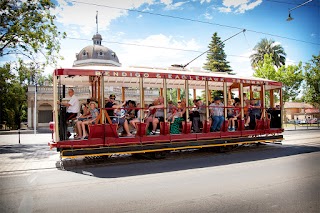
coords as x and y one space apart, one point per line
289 18
300 5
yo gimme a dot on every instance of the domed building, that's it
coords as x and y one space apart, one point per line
96 55
92 55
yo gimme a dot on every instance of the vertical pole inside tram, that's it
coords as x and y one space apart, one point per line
186 86
141 99
282 106
225 98
241 101
101 88
165 98
263 100
55 109
207 99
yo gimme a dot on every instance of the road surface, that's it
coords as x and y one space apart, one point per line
271 178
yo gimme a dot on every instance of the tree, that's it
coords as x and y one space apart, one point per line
266 46
27 28
290 76
216 57
13 103
312 79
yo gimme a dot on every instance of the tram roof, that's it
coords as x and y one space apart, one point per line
153 76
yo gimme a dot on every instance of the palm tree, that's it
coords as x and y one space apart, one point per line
266 46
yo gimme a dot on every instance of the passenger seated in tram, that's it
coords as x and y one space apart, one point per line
217 114
169 108
197 114
233 114
158 115
182 107
109 105
91 120
150 114
131 110
254 113
175 119
84 115
133 122
120 119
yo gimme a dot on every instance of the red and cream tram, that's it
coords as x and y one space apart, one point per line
104 136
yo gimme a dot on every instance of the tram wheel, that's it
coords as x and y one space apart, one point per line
159 155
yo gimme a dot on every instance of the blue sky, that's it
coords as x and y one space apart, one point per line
78 20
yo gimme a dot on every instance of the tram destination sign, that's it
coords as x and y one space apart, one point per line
175 76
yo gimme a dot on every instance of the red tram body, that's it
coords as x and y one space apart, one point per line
104 139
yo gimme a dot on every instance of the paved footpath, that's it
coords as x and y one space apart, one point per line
31 154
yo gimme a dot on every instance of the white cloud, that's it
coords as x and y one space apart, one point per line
166 2
208 16
139 16
158 57
203 1
83 16
224 9
175 6
238 6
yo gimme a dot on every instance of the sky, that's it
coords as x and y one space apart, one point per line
120 27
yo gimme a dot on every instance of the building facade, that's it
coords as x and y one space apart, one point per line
40 98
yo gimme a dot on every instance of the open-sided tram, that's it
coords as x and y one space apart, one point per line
104 136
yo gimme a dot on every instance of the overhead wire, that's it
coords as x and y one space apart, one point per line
194 20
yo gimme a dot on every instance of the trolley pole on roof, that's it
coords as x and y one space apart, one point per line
184 66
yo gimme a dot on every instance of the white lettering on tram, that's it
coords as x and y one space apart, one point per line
158 75
204 78
124 74
146 75
183 77
107 74
169 76
177 77
115 74
137 75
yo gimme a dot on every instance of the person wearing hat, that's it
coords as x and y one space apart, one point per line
109 105
92 120
217 114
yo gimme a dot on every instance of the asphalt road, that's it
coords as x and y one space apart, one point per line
271 178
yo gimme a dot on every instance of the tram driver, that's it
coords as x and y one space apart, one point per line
73 106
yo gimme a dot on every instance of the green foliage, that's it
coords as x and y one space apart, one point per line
269 47
216 57
14 80
27 28
13 103
291 76
312 79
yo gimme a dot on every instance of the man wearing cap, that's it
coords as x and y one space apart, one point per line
217 114
109 105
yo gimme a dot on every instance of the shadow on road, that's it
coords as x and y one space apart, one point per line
35 151
185 161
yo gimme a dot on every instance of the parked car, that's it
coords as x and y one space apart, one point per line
313 121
